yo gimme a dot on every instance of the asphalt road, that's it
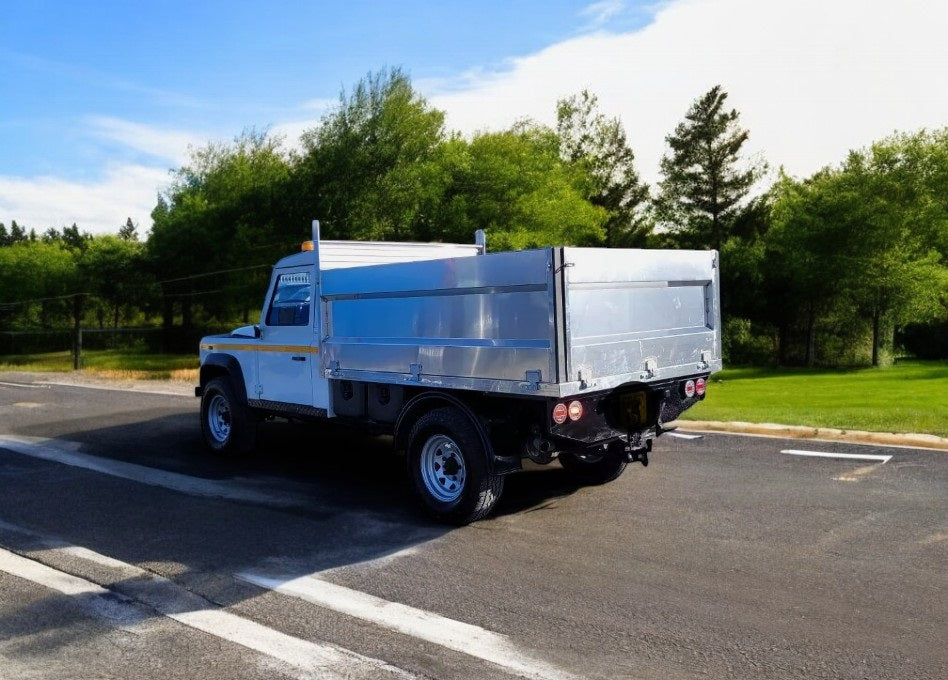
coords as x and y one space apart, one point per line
125 551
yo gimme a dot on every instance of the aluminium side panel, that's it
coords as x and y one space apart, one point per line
484 323
639 315
339 254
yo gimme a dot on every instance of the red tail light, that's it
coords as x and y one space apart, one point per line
700 387
689 389
575 410
560 413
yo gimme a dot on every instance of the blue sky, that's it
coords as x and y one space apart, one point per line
101 98
216 66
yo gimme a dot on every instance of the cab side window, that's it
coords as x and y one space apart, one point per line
291 301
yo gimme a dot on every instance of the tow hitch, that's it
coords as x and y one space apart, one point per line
639 455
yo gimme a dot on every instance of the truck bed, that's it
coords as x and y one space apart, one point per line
553 321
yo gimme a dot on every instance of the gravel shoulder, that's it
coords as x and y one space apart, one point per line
91 380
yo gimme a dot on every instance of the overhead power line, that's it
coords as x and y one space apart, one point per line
16 303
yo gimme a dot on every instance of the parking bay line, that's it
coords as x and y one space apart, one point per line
844 456
315 660
419 623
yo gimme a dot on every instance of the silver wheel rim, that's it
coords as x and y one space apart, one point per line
442 468
218 418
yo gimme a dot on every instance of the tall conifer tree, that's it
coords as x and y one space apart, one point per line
599 144
704 183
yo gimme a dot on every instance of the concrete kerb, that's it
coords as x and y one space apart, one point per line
920 441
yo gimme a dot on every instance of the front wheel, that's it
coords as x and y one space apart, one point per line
448 465
594 468
227 423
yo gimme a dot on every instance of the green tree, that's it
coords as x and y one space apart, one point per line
17 234
369 169
805 280
226 210
112 270
74 239
129 232
516 186
704 183
599 146
900 212
36 279
862 245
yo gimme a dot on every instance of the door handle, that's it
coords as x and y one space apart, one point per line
298 358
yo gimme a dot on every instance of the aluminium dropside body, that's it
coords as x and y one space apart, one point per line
551 322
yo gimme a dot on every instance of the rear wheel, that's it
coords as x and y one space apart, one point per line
448 465
227 424
594 468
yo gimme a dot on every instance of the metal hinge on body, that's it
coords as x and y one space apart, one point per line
649 370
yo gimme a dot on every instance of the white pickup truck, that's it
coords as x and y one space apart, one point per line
473 361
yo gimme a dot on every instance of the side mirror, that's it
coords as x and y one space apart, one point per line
256 331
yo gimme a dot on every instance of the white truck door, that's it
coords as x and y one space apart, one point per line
288 352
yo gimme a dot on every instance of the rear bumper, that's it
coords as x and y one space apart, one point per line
608 416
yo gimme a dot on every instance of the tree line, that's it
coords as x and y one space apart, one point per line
822 270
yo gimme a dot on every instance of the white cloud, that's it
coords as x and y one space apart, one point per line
317 107
98 207
169 145
125 189
599 13
811 78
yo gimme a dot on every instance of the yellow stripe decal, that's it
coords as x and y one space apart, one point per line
226 346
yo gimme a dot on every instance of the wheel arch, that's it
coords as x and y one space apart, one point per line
220 364
420 404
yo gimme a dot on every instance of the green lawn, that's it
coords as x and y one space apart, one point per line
910 396
108 363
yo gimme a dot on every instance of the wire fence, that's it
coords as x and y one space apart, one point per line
147 340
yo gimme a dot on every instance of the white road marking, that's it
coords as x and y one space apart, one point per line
682 435
314 660
112 388
461 637
61 582
857 474
845 456
24 385
195 486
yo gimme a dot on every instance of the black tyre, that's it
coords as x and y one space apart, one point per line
448 466
593 469
228 425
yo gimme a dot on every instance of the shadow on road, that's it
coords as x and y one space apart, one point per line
348 501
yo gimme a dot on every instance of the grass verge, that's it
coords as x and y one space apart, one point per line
910 396
113 364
